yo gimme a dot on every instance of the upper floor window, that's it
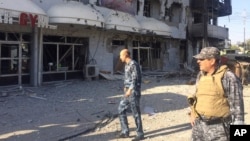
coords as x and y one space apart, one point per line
146 11
118 43
174 12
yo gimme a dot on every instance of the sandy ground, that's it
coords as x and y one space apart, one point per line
87 111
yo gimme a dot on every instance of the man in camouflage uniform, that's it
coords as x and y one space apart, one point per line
218 100
131 98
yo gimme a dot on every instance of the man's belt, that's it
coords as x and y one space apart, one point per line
215 120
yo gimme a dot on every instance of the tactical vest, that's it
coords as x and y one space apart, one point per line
211 100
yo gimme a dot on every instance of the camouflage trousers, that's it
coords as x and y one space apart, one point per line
130 104
202 131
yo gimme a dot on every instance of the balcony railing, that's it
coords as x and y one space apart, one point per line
212 31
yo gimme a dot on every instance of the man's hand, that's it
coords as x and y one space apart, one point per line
191 115
128 92
192 118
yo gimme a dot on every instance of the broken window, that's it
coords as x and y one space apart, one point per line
14 58
146 11
173 13
168 14
156 50
63 55
118 43
146 54
198 18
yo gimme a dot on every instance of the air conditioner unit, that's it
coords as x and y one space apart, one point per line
91 71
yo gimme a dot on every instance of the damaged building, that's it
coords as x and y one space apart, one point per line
44 40
203 27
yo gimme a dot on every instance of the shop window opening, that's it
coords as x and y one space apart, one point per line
64 57
14 58
147 54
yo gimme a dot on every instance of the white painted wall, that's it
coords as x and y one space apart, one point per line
98 51
170 59
46 4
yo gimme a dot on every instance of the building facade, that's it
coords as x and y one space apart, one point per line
71 39
203 26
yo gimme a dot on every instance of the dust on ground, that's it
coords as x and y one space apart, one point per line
87 110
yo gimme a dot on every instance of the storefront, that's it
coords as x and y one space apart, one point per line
66 51
74 36
20 23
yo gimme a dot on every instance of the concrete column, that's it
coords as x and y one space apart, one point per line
141 7
162 9
34 59
40 57
205 24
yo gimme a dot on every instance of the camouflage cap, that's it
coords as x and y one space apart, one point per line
208 52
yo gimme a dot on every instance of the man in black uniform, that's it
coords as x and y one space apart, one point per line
131 98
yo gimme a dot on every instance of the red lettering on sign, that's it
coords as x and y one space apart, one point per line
33 20
25 18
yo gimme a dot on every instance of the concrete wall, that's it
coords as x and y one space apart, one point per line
171 55
99 51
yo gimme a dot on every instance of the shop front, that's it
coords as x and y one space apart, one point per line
66 52
20 22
